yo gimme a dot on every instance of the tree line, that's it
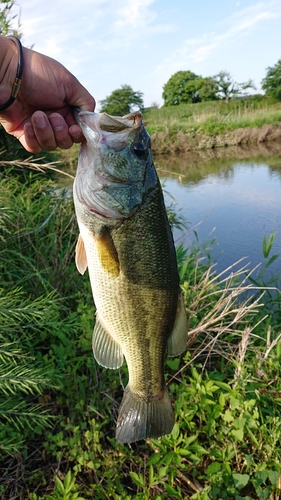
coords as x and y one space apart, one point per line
182 87
186 87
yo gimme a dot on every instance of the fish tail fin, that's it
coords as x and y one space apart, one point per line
139 418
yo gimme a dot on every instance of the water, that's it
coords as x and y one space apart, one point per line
232 196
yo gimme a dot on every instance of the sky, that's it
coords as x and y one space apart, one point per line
142 43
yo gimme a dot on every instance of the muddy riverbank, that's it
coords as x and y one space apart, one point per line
182 142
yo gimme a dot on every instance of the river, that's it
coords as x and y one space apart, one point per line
231 197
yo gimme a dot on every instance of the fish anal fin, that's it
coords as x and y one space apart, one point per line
80 255
139 418
178 338
106 350
107 253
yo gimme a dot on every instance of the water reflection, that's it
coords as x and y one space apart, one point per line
233 195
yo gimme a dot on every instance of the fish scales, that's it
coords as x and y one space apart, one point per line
130 255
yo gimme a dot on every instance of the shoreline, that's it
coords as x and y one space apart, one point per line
162 143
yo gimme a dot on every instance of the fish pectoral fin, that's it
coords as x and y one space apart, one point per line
80 255
178 338
107 351
140 418
107 252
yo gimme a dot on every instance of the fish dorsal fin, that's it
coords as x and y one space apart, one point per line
80 255
178 338
106 350
107 252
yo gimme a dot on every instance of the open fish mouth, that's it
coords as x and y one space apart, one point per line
108 130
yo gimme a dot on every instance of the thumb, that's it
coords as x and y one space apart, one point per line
79 97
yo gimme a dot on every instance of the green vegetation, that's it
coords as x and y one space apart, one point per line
272 81
211 124
58 407
185 87
214 117
122 101
7 16
228 88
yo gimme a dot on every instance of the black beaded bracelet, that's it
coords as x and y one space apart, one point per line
17 82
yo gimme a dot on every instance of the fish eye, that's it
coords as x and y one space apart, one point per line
140 151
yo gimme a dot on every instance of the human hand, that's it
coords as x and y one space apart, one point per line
42 115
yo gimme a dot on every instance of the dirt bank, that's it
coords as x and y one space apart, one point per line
162 143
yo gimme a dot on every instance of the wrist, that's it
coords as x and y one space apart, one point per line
11 67
8 67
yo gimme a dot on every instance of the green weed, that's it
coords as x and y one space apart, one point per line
225 389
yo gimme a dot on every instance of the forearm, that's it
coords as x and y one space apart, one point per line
8 66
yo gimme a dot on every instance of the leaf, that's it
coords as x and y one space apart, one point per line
273 476
213 468
240 480
238 434
173 363
222 400
175 432
267 245
151 475
68 482
173 493
190 440
162 472
138 479
272 259
197 448
154 459
59 486
227 417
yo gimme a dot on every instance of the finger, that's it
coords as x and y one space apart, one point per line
61 131
76 133
43 131
28 139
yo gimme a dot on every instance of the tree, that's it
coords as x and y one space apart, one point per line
228 88
206 89
122 101
179 88
187 87
272 81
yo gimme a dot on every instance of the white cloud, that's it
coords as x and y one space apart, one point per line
139 19
231 31
135 13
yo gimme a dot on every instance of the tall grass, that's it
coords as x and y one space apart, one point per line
225 389
213 117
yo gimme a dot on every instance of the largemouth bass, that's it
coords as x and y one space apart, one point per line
126 242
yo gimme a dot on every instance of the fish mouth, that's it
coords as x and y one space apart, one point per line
108 123
101 129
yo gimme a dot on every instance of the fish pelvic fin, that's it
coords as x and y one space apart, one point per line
178 338
140 418
80 255
107 253
106 350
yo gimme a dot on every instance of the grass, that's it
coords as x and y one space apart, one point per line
225 389
212 118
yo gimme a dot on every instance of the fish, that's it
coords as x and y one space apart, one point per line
126 243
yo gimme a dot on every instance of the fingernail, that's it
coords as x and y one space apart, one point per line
40 120
28 129
57 121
